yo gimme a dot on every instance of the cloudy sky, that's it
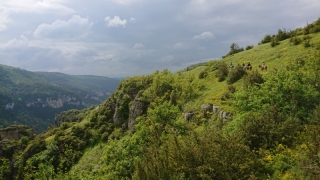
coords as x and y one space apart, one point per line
118 38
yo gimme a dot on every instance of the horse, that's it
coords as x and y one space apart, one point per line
263 67
247 67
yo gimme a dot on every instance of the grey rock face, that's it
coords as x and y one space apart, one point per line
117 119
215 109
225 115
188 116
137 108
206 107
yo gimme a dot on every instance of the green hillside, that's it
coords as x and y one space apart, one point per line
208 121
34 98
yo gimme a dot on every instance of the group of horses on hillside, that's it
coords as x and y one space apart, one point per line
263 67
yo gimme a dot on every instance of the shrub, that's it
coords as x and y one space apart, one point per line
231 88
274 42
203 74
235 74
222 72
295 40
267 38
253 78
306 43
249 47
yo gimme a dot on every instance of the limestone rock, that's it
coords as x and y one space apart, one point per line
188 116
137 108
215 109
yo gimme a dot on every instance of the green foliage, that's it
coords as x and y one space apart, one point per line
235 74
234 48
204 155
253 78
267 38
222 72
274 41
203 74
295 40
5 169
249 47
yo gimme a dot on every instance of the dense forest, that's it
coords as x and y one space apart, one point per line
33 98
209 121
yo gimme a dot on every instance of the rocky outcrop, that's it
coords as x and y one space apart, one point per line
117 118
9 106
137 108
215 109
187 116
55 102
206 107
225 115
14 133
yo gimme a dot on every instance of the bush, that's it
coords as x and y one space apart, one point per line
295 40
253 78
232 88
203 74
235 74
249 47
267 38
222 72
274 42
306 43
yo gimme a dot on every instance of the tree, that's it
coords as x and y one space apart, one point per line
235 48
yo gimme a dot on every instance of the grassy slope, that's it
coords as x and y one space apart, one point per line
275 58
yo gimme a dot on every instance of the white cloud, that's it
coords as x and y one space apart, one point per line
9 8
132 20
36 6
115 22
138 46
74 27
205 35
127 2
20 42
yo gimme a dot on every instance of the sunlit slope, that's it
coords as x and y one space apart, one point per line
277 57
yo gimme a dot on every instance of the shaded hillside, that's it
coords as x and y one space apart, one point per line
208 122
30 98
92 89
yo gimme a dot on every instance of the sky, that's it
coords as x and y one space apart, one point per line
120 38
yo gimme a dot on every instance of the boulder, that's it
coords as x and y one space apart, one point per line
215 109
188 116
206 107
225 115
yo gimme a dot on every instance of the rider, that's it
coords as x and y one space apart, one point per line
263 65
249 65
230 64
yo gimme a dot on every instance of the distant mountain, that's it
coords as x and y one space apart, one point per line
92 89
33 98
